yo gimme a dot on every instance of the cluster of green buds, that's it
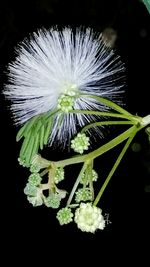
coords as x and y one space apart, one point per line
53 200
67 99
80 143
87 217
89 176
59 175
34 188
83 194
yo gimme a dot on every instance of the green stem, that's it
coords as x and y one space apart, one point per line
101 150
99 113
108 103
133 133
76 183
111 144
95 124
139 124
44 172
107 114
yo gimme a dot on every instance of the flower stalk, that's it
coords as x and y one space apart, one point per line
133 133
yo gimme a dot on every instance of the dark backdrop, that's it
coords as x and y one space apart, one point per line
26 229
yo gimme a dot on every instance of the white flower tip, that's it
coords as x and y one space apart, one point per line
89 218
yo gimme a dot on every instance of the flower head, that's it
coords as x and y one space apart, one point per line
36 200
83 194
34 194
30 189
80 143
54 70
64 216
87 177
59 175
53 200
35 179
89 218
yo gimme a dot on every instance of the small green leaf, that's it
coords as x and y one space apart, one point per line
109 103
25 144
28 152
48 129
42 137
35 146
21 132
30 125
37 125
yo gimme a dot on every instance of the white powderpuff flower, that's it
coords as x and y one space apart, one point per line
89 218
53 66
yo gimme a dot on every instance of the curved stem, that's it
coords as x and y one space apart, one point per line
111 144
95 124
139 124
101 150
133 133
108 103
76 183
107 114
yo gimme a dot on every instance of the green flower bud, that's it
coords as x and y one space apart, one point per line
80 143
35 201
86 178
35 179
30 189
65 103
52 201
22 162
83 194
34 168
64 216
59 175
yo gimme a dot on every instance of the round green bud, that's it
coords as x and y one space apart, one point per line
22 162
35 201
80 143
83 194
52 201
34 168
86 177
64 216
59 175
30 189
65 103
35 179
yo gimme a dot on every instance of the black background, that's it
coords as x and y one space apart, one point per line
26 230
